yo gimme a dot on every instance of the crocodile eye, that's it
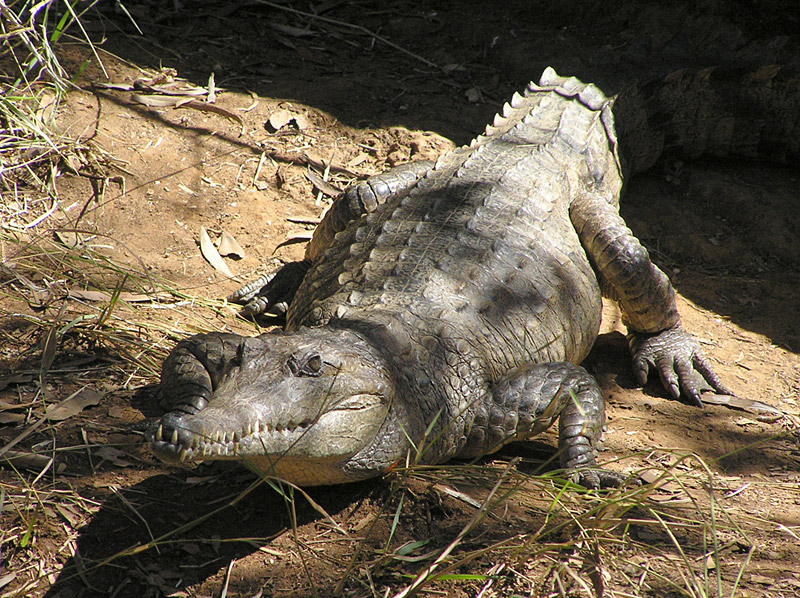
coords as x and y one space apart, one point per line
305 365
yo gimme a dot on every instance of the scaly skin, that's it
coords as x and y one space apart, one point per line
442 311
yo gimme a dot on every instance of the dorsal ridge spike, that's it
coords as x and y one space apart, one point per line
550 77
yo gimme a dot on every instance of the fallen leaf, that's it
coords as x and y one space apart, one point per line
157 101
116 86
201 479
7 579
69 238
282 117
322 185
671 499
27 460
117 412
763 411
73 405
474 95
13 379
761 579
211 254
279 119
161 101
184 91
44 110
109 453
228 246
69 514
291 31
358 159
665 489
11 418
301 220
49 349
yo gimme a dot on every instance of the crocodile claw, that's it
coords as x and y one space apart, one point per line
680 363
271 294
597 478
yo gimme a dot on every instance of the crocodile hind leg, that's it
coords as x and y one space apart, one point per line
526 402
647 301
273 292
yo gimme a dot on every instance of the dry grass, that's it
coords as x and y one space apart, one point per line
514 534
670 537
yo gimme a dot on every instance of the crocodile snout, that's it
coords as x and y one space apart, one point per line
170 436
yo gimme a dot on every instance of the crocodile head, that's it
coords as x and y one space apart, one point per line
295 405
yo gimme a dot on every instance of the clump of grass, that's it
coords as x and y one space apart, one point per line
78 292
506 532
35 268
32 84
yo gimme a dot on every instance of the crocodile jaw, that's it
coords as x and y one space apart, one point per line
286 414
305 453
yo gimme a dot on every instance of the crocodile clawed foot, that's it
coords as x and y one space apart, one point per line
271 294
679 361
597 478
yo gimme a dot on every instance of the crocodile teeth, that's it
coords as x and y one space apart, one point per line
174 439
182 455
160 432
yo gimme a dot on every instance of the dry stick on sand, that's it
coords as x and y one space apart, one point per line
360 28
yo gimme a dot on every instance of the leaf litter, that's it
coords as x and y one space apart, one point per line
534 526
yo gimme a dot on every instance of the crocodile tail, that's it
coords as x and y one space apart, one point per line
713 112
518 117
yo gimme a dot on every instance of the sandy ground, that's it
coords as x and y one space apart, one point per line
725 231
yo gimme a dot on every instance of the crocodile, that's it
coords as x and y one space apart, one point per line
443 309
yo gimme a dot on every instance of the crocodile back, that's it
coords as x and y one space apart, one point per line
482 250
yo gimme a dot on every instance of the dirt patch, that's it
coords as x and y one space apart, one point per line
725 232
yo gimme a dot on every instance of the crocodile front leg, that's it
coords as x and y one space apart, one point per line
273 292
527 402
647 301
195 368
